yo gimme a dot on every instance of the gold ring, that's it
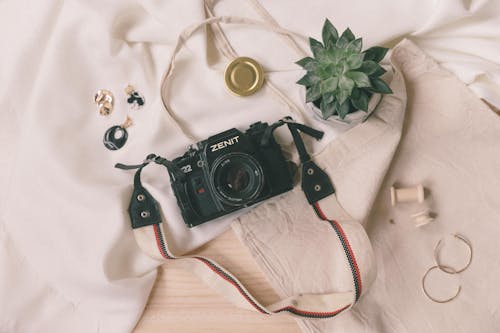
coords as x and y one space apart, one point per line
435 299
448 269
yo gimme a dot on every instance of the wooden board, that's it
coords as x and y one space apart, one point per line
181 303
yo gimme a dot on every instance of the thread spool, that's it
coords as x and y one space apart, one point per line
422 218
407 194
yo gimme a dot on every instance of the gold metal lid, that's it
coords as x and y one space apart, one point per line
244 76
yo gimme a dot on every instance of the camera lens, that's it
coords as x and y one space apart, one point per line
237 178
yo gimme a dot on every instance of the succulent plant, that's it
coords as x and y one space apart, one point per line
341 78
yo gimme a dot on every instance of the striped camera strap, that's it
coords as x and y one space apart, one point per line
316 306
150 234
316 186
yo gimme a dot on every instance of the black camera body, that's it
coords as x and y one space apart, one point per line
229 171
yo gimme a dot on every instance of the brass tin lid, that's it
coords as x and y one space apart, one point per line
244 76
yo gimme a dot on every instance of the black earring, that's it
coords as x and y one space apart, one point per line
116 136
135 99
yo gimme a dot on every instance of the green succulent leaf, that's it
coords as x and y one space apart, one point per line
342 42
369 67
334 54
329 85
305 61
331 68
342 95
329 34
308 80
346 37
379 86
376 53
315 46
346 84
323 56
337 107
327 109
313 93
360 79
355 60
328 97
317 103
380 71
359 99
326 71
356 45
309 64
343 109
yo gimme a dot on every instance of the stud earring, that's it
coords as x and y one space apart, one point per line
135 99
105 101
116 136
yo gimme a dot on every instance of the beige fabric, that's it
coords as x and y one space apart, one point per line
451 144
293 207
67 253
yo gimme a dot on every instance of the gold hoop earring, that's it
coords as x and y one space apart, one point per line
435 299
448 269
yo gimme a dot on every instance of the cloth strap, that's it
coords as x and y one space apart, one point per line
230 53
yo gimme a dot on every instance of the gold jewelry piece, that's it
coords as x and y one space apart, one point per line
435 299
244 76
105 101
129 89
128 122
445 268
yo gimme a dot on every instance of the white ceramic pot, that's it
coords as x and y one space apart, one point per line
352 118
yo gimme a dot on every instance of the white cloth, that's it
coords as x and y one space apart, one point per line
67 250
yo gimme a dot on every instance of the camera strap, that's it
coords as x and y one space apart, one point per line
144 210
146 220
146 217
147 225
316 184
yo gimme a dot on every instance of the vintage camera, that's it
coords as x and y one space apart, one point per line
230 171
